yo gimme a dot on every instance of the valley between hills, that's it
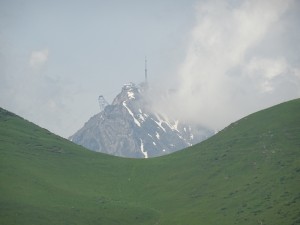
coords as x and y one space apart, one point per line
248 173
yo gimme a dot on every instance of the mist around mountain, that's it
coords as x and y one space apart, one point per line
130 127
246 174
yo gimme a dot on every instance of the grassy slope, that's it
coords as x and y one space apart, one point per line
249 173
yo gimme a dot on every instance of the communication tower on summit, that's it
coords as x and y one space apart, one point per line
102 103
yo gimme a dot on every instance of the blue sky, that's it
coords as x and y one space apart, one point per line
57 57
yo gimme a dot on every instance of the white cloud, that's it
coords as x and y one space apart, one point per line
264 71
38 58
225 75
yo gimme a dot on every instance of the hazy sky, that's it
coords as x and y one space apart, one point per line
224 58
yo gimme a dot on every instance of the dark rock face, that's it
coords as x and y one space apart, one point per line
127 128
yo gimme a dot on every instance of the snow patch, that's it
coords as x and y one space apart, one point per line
157 135
130 95
176 125
141 117
135 120
159 124
154 143
168 123
142 149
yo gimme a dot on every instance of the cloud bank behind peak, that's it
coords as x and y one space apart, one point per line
235 62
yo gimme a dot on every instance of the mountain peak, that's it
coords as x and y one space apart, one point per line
129 91
129 128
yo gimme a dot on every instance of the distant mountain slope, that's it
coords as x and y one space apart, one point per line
249 173
128 128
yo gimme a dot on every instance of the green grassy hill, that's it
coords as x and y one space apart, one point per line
249 173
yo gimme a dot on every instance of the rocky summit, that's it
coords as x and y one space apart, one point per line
128 128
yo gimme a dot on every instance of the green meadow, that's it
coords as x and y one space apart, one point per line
249 173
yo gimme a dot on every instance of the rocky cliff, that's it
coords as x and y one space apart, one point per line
128 128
